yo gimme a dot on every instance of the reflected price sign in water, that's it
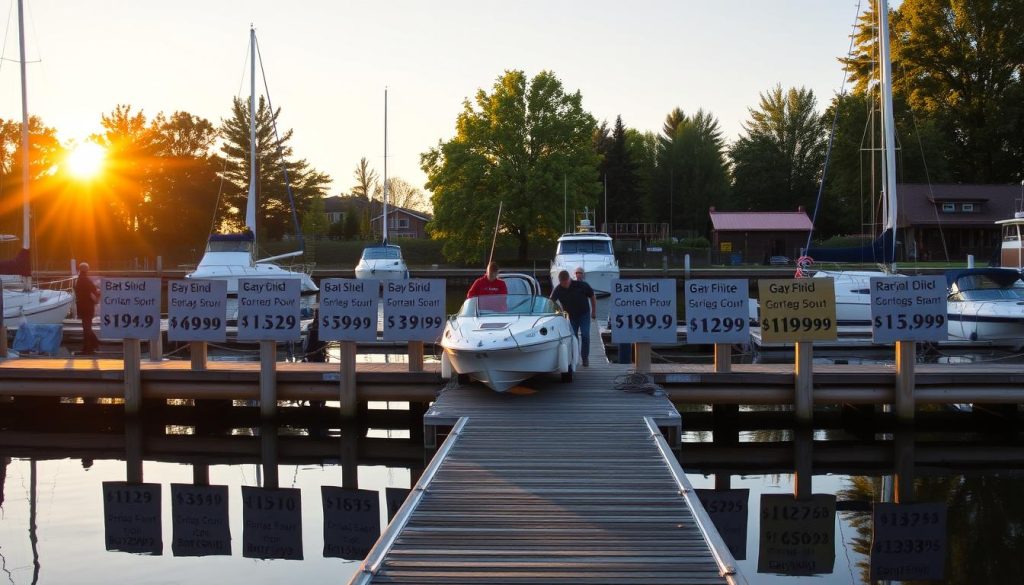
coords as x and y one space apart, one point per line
271 523
268 309
199 515
129 308
348 309
414 309
717 311
131 517
351 522
797 536
797 309
911 308
643 311
197 310
908 542
728 512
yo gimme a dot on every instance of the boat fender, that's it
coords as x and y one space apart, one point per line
563 358
446 367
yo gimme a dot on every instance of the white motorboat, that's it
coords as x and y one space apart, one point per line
986 304
230 257
24 302
502 340
590 250
383 261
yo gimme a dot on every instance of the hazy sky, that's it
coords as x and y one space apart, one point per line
327 62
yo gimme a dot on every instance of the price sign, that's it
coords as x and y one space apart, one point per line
197 310
728 511
908 542
395 497
348 309
643 311
271 523
801 309
414 309
351 522
268 309
130 308
131 517
199 515
911 308
797 536
717 311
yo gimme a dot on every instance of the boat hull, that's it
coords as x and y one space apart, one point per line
599 279
37 306
1000 322
501 369
366 271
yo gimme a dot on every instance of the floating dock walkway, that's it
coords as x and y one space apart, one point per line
559 483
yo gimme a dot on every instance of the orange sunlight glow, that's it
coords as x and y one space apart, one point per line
86 160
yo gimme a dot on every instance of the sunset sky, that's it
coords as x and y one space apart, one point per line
327 62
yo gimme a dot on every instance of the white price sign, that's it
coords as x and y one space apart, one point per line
414 309
644 311
197 310
717 311
348 309
911 308
129 308
268 309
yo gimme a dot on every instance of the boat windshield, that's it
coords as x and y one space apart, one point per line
584 247
382 253
507 305
983 288
229 246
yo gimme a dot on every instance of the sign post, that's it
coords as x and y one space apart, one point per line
905 310
268 312
717 312
414 312
197 313
643 312
348 313
130 310
3 330
800 311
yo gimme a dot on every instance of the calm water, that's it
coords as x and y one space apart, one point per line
59 523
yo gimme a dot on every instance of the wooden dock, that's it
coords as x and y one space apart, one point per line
557 483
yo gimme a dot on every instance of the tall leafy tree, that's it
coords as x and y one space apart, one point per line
518 144
274 158
777 161
621 174
401 193
130 142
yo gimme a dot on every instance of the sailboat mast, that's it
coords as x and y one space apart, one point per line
250 203
888 123
25 220
384 218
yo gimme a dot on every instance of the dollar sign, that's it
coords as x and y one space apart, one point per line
693 324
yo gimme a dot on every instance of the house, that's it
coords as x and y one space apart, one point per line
752 237
952 219
402 223
335 207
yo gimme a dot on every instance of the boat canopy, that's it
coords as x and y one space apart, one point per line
382 252
982 278
511 305
879 251
584 246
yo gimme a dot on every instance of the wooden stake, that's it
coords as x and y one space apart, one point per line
642 357
415 356
723 358
197 352
348 397
156 348
906 354
803 404
132 377
3 339
268 379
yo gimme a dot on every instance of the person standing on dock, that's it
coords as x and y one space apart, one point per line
580 302
87 294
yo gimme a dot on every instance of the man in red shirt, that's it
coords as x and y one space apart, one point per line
488 285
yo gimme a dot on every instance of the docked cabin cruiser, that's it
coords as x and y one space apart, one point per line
1011 254
986 304
502 340
590 250
382 262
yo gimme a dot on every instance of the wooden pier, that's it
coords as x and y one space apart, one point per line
555 483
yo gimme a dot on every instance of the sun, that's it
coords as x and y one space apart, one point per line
86 160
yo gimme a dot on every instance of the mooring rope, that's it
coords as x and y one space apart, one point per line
636 383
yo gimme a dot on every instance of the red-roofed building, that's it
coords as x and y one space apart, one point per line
752 237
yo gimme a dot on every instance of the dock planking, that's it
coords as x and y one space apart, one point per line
555 483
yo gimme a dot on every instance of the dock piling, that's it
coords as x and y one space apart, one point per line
642 357
803 404
723 358
415 356
906 354
347 399
156 348
132 377
3 338
197 353
268 379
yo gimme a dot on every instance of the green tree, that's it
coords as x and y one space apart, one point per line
314 225
517 145
130 142
621 173
274 159
643 150
401 193
777 162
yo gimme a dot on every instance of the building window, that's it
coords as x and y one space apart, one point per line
967 208
948 207
400 223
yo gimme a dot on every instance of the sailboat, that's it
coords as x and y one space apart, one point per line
28 303
230 257
383 261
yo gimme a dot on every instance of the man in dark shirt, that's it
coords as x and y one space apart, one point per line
580 302
87 294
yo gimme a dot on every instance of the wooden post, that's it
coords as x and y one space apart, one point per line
723 481
723 358
268 451
197 352
3 338
642 358
133 450
903 476
803 463
200 474
906 354
803 404
132 377
348 397
350 456
268 379
156 347
415 356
